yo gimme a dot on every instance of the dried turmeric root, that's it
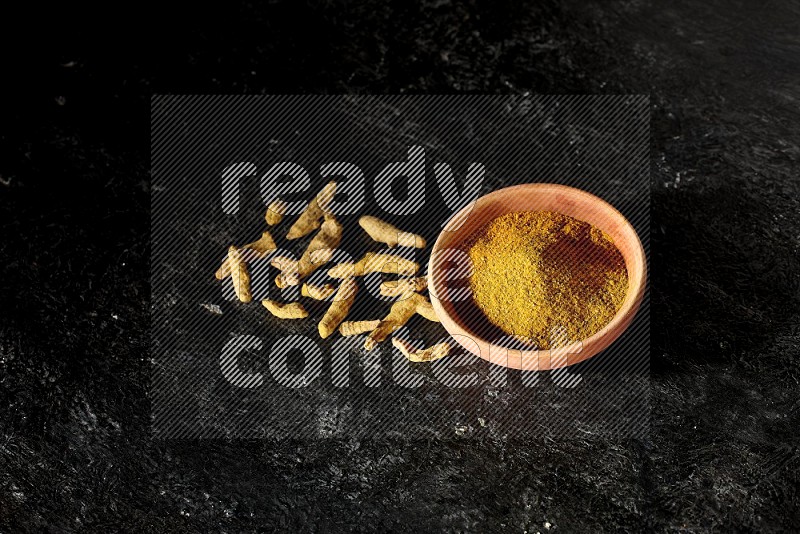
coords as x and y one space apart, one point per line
354 328
399 314
425 309
283 263
239 275
252 251
317 292
321 248
287 278
393 288
375 263
340 307
430 354
310 219
318 253
383 232
224 270
275 212
291 310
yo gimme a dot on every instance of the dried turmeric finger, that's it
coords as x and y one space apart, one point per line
375 263
383 232
291 310
252 251
317 292
310 219
239 275
340 307
354 328
430 354
393 288
283 263
425 309
224 270
321 248
264 245
275 212
399 314
318 253
287 278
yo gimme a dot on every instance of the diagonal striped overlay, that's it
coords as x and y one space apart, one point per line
224 369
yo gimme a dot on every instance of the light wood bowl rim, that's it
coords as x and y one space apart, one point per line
542 360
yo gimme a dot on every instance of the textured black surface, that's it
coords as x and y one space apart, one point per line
75 451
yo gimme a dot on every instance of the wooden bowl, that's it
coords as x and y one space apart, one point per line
470 328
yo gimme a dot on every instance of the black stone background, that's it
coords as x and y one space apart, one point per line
75 450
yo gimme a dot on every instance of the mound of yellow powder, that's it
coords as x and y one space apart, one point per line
546 277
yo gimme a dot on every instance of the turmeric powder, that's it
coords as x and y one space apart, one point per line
534 272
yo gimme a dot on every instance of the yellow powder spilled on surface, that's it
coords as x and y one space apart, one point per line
546 277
